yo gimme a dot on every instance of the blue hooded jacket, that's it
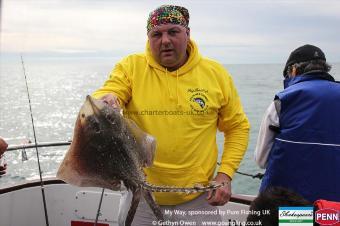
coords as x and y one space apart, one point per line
305 156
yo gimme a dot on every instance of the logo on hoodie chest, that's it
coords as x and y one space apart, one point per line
198 100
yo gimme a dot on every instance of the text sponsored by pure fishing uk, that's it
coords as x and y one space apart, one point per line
230 217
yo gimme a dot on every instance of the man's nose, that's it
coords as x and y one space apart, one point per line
165 39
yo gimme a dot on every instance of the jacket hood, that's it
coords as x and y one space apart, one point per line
194 58
313 75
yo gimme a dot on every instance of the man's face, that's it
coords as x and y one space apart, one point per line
168 44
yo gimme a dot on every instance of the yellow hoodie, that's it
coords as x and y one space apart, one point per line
183 110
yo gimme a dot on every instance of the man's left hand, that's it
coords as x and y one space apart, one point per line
220 196
3 169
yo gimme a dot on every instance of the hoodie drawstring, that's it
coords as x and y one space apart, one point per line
177 88
177 83
167 82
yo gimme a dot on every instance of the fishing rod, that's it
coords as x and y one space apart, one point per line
35 142
0 14
99 207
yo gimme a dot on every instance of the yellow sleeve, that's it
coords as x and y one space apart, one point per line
118 83
233 122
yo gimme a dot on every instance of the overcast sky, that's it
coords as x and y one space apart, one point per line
248 31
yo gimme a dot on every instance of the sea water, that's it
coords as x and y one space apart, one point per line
58 87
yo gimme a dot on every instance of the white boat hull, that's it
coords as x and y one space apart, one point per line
68 205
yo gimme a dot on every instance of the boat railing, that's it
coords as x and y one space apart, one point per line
42 144
66 143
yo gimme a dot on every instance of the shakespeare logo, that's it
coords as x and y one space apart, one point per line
327 217
295 216
198 100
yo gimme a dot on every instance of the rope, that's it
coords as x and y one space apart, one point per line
258 175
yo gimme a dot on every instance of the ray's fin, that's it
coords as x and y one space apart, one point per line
196 188
153 205
134 204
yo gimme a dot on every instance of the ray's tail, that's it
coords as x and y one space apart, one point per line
188 190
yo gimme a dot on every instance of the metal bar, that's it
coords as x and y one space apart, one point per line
33 145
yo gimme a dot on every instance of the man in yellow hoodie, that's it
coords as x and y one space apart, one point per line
181 98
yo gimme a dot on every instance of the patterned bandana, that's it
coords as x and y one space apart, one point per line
168 14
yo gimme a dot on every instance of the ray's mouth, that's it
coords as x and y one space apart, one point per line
90 100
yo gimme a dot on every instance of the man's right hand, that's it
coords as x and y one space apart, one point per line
3 146
111 100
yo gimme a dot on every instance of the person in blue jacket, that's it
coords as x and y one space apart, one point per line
299 138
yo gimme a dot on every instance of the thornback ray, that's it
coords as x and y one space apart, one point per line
108 149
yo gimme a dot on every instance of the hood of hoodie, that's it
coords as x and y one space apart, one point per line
194 58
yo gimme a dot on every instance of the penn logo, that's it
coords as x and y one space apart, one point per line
327 217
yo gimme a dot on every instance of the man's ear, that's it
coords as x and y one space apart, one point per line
294 71
188 32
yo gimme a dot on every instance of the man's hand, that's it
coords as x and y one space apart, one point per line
3 169
220 196
3 146
111 100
